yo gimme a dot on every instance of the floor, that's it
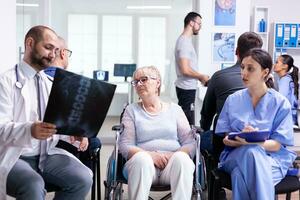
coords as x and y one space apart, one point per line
105 153
107 136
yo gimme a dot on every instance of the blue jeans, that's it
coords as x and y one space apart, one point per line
25 181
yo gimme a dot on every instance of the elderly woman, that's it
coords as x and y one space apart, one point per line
156 141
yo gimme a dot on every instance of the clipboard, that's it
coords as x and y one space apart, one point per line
254 136
78 105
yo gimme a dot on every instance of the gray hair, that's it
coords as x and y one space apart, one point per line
154 71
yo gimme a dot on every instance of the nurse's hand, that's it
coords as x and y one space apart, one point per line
249 128
237 142
42 130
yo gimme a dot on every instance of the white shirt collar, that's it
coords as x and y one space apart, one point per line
28 71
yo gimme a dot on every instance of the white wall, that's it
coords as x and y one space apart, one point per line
205 36
280 10
205 44
7 34
175 17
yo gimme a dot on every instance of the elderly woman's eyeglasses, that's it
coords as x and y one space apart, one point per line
69 52
142 80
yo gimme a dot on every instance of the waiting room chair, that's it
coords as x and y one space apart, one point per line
219 179
115 179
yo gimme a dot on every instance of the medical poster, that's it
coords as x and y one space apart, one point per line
78 105
225 12
223 47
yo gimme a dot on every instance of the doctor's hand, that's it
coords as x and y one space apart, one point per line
84 142
42 130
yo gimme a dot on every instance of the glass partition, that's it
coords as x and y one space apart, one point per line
101 33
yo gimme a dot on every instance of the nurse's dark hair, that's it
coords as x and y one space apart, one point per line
191 16
247 41
265 60
37 33
289 61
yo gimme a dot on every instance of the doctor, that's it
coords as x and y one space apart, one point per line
25 164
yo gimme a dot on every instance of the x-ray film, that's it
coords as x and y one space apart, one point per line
78 105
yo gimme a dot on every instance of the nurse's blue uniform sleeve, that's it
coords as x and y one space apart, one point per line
282 128
223 124
284 86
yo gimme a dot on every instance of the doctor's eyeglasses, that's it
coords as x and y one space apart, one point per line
142 80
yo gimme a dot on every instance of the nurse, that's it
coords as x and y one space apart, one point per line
255 168
288 82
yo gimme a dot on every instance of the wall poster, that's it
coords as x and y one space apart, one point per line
223 47
225 12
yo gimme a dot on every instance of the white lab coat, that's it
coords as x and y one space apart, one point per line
15 125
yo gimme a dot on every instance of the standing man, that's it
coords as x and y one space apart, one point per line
29 159
187 65
223 83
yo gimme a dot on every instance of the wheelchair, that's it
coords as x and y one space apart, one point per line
115 179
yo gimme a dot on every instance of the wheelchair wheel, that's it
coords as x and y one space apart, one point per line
118 193
108 183
106 191
112 193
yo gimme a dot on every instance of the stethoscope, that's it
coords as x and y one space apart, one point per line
18 83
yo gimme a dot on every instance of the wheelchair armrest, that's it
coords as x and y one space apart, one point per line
118 127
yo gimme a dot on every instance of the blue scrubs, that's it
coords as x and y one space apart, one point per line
254 171
286 87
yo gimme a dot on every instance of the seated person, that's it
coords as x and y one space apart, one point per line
223 83
255 168
156 141
29 159
288 82
61 59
